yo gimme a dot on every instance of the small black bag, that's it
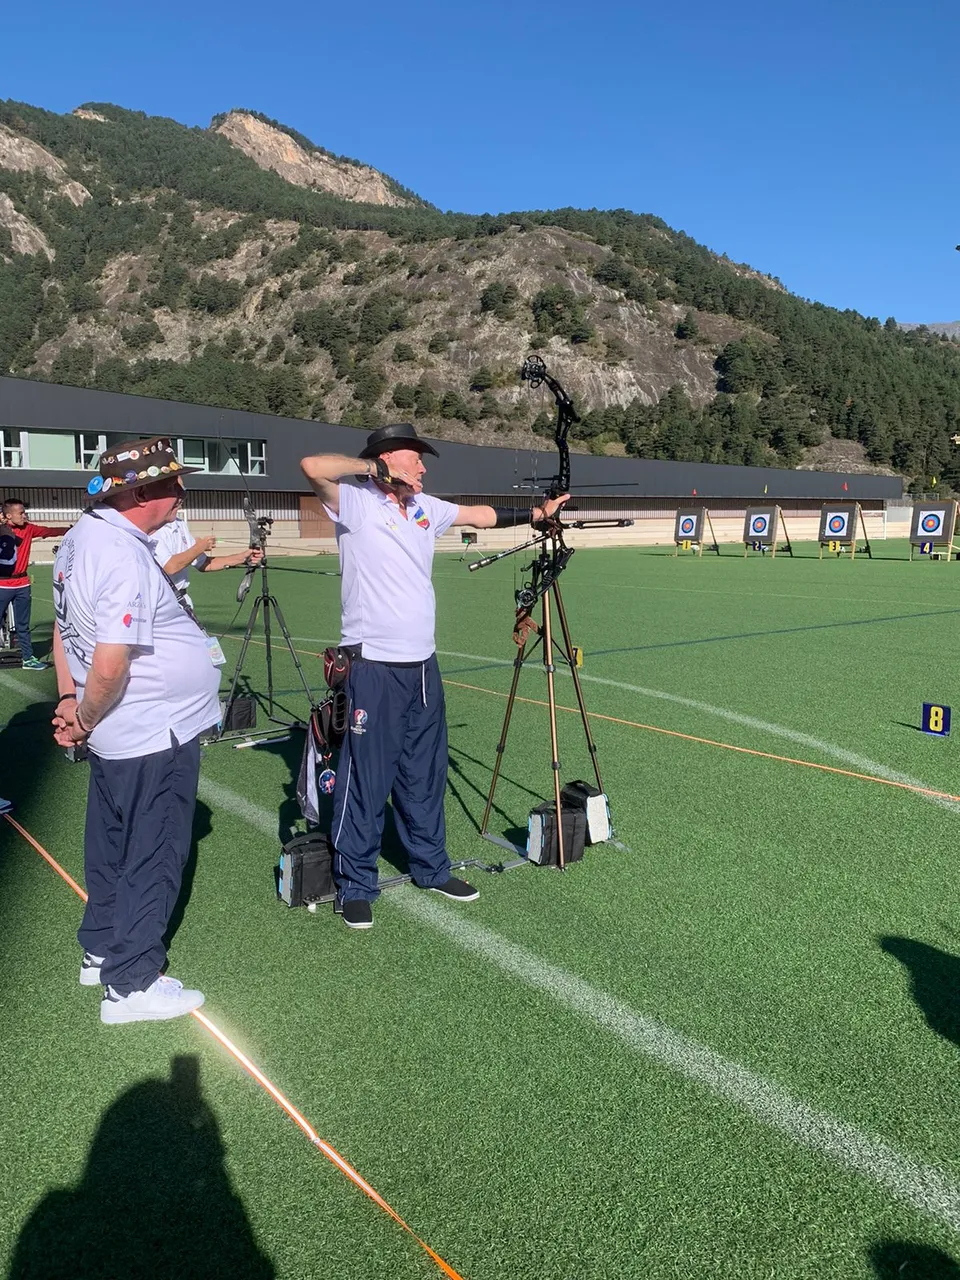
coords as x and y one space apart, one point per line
542 847
306 870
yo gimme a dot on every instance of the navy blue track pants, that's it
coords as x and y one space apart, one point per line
395 746
137 841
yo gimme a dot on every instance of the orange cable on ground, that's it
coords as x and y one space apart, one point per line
727 746
267 1085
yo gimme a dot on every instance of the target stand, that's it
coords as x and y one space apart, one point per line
841 524
933 529
688 532
764 530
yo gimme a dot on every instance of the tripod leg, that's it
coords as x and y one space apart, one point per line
552 701
568 654
502 744
251 623
266 636
293 653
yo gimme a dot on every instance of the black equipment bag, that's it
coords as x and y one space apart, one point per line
240 714
306 870
542 834
581 795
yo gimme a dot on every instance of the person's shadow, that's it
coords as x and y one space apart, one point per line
936 982
154 1203
908 1260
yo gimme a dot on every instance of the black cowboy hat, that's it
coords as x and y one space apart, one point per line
399 435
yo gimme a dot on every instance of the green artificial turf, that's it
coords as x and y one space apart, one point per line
799 922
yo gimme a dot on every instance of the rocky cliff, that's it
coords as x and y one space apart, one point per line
274 149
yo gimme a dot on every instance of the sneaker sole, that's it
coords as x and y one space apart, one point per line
90 978
360 924
457 897
116 1017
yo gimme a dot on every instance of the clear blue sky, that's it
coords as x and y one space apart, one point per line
816 141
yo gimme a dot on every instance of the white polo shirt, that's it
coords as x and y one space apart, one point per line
386 593
108 589
170 541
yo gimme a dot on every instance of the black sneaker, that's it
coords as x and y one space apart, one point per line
357 913
458 890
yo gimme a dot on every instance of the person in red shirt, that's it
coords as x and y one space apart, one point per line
16 535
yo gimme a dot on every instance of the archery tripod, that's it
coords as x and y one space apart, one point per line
551 558
264 602
550 647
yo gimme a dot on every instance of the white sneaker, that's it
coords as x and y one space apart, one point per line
90 970
165 998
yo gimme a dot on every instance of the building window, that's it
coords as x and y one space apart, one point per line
11 448
193 453
87 450
253 457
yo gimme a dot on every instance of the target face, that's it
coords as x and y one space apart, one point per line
837 523
687 526
760 524
931 522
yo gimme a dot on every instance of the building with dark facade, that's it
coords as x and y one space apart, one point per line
51 436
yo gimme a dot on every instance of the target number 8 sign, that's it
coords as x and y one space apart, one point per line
935 719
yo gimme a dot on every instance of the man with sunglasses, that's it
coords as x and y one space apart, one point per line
138 680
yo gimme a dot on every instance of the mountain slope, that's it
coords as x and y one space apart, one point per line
190 270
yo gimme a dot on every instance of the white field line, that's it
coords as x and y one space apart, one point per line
861 763
27 691
926 1188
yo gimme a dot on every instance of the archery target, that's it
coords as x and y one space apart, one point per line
760 525
933 522
838 523
688 526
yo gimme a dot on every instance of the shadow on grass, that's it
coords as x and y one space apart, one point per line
908 1260
155 1200
936 983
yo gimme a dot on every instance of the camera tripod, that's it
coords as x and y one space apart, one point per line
264 602
545 590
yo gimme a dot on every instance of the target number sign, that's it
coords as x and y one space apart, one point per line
926 548
935 719
685 544
836 546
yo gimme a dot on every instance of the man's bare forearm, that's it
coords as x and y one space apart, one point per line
179 560
106 681
65 682
336 466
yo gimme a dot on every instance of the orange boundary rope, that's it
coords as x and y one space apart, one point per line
727 746
707 742
267 1085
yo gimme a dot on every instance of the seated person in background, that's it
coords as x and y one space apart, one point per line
16 535
176 551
